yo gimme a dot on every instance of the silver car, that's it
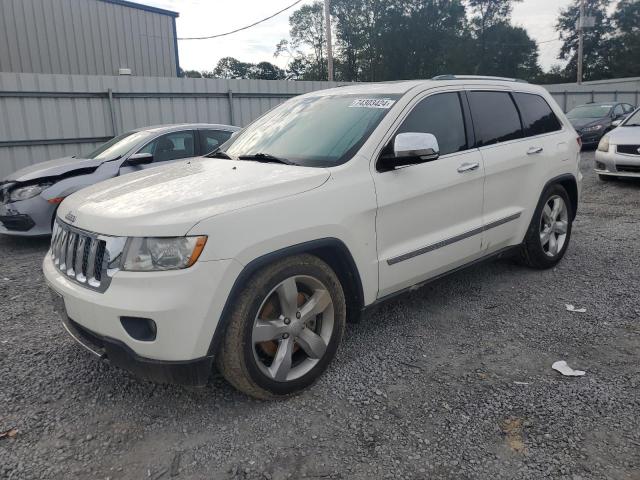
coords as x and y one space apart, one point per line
618 153
30 197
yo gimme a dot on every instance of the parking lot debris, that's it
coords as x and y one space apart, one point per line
571 308
562 367
12 432
175 465
521 383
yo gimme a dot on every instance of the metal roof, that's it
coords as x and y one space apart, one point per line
141 6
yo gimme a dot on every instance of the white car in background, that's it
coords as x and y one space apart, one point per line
618 153
330 203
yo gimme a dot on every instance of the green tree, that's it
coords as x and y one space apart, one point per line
307 34
598 52
229 67
266 71
191 74
486 14
626 41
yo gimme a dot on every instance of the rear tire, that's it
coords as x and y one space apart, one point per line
549 232
284 329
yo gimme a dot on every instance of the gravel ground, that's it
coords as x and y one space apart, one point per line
451 381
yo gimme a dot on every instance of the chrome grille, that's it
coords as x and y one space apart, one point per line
87 258
628 149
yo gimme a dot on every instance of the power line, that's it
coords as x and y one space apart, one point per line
243 28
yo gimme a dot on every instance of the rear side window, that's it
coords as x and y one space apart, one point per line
440 115
537 116
212 139
495 117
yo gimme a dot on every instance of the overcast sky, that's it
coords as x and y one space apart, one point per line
206 17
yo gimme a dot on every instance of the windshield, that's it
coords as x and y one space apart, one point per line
118 146
633 120
319 131
590 111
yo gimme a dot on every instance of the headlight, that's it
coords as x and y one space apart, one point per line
603 146
157 254
595 128
25 193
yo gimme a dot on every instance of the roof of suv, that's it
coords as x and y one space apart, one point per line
403 86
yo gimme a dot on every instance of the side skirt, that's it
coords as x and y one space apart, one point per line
503 252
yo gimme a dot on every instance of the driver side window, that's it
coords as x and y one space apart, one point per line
618 110
172 146
440 115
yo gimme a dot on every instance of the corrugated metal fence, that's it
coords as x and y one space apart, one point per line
50 116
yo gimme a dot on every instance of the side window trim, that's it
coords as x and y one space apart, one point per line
469 127
197 147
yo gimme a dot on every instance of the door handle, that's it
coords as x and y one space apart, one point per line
467 167
534 150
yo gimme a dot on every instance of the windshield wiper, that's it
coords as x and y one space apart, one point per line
266 158
631 125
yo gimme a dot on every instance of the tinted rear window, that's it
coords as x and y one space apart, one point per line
495 117
537 116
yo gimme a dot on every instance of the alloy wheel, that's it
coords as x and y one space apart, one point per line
293 327
553 225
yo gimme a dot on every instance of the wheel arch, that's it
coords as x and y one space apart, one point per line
330 250
570 184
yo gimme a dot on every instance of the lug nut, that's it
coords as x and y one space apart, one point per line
285 335
298 315
287 321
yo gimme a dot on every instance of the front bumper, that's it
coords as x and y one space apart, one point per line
617 164
27 218
591 138
185 306
189 373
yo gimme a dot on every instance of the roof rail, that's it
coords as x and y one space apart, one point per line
477 77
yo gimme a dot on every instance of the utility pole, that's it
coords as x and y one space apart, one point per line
580 41
327 21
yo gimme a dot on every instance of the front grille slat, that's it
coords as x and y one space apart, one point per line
79 254
71 248
91 261
83 256
63 250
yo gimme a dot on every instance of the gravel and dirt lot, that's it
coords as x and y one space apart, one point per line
453 380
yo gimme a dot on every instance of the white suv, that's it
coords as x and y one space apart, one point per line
254 258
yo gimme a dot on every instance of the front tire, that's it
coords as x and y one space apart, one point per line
549 233
284 328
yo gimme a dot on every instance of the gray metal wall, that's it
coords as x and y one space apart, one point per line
85 37
570 95
50 116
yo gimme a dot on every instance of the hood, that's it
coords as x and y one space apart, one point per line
625 136
52 168
170 200
586 122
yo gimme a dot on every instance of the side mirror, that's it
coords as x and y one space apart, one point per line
411 148
139 159
617 122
